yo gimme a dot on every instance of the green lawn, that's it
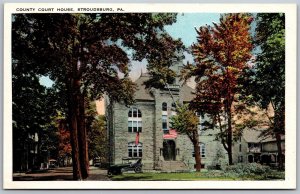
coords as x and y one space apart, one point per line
193 176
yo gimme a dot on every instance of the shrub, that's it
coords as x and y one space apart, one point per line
246 170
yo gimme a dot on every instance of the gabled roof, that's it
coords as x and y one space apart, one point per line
142 93
251 135
254 136
187 93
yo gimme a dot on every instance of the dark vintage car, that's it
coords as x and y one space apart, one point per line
119 168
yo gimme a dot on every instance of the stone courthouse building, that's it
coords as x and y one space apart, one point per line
143 130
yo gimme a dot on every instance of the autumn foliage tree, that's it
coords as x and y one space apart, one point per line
64 147
84 53
221 55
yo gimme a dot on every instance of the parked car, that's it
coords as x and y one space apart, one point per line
120 168
97 162
52 163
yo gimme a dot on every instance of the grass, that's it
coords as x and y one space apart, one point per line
168 177
192 176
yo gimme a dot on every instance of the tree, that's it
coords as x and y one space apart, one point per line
97 133
266 86
98 142
64 147
83 54
221 55
31 116
186 121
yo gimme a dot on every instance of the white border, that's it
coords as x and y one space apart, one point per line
291 29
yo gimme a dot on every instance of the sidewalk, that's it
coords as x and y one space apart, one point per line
60 174
97 174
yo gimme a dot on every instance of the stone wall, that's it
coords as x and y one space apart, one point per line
123 137
236 152
152 135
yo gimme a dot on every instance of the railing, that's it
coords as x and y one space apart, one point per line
254 150
172 86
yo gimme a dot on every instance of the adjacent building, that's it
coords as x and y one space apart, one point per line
252 147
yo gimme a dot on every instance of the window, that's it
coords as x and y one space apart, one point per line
250 158
134 113
134 126
202 150
200 124
173 106
164 106
240 147
134 120
173 109
135 150
164 123
240 159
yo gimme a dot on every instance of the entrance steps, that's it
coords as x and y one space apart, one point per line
173 166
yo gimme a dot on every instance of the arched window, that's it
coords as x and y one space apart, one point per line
135 150
134 113
173 106
134 120
164 106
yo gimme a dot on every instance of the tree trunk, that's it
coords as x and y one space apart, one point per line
280 155
228 111
75 148
82 139
197 157
229 138
197 151
77 131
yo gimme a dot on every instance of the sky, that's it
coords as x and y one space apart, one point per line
186 23
184 28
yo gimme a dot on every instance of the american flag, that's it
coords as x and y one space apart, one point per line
137 138
171 135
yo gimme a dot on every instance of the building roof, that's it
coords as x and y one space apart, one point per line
254 136
187 93
271 138
142 93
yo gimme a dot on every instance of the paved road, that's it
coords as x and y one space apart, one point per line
61 174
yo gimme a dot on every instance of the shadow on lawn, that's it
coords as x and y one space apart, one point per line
44 178
131 178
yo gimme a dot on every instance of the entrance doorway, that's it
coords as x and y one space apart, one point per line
169 150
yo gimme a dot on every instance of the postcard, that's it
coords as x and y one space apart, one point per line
149 96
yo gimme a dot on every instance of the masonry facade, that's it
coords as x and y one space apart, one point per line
143 130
